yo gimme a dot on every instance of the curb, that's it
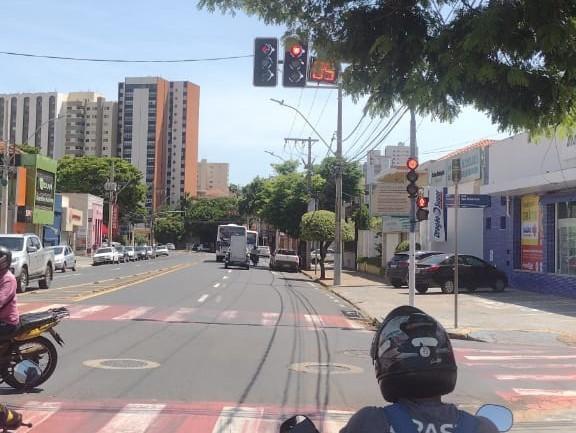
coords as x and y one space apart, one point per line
464 334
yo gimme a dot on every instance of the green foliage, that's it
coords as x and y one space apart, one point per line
202 216
28 149
351 187
140 239
252 198
287 167
362 218
405 246
169 228
88 174
513 60
321 226
374 261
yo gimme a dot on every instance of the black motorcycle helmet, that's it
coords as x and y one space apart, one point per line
5 259
413 356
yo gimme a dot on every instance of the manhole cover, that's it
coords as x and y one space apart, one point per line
324 368
121 364
357 353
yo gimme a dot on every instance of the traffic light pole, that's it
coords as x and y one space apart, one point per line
338 180
412 263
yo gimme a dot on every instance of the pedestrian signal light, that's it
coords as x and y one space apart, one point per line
422 202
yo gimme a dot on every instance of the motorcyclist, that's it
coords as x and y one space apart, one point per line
254 254
9 316
415 367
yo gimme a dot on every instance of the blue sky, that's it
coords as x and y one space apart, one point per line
238 123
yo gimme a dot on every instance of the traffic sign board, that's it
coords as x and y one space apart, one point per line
470 201
456 170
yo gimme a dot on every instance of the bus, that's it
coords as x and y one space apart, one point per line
225 232
252 239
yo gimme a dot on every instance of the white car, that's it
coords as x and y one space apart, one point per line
170 246
264 251
106 255
130 253
64 258
162 250
315 255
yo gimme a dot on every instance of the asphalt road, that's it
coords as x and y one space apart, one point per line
205 349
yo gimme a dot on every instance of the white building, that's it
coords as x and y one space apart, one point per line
213 179
398 155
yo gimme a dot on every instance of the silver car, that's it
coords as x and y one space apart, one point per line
64 258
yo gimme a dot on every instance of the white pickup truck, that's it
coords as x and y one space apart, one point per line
285 259
30 260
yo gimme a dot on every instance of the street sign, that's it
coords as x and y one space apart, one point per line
470 201
390 199
456 170
395 224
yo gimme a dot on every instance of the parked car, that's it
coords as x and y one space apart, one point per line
141 252
170 246
30 260
122 253
285 259
150 252
329 258
473 273
162 250
105 255
397 267
64 258
264 251
130 253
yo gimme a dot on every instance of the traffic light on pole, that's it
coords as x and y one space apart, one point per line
412 177
265 62
422 211
295 64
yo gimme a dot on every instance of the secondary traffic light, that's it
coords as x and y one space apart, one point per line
412 177
295 64
422 211
323 71
265 62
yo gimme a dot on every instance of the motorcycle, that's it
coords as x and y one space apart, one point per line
27 358
254 257
501 416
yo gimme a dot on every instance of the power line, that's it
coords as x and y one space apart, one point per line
357 140
309 110
295 114
323 109
355 128
371 138
107 60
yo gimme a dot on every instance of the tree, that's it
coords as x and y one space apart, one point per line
234 190
287 167
202 216
351 177
320 226
89 174
169 228
251 199
514 60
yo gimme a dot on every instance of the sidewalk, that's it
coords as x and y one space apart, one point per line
510 317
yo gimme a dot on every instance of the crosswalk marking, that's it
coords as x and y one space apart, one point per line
40 412
269 319
545 392
518 366
537 377
47 307
228 315
516 357
134 418
133 313
84 312
180 315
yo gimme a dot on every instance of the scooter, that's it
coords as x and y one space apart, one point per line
501 416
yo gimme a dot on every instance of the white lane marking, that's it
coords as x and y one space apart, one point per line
218 299
134 418
228 315
39 412
314 319
225 277
311 284
180 314
335 420
216 285
116 269
229 271
545 392
87 311
536 377
466 350
518 366
133 313
202 298
269 319
242 420
516 357
45 308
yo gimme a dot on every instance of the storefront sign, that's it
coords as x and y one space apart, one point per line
391 199
44 190
437 215
438 172
531 235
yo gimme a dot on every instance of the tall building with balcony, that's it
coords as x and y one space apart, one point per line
158 134
59 124
212 179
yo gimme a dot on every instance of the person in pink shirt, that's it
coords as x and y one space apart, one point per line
9 316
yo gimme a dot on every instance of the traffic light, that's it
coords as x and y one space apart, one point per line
422 211
323 71
412 177
265 62
295 64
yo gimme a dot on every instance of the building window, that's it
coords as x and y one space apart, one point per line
13 111
488 223
502 223
503 200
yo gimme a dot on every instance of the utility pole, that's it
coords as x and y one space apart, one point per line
110 186
412 263
339 168
5 172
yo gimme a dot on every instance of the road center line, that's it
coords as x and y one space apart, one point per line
224 277
202 298
216 285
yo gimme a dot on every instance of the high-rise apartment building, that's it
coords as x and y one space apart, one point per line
158 133
212 179
58 124
398 155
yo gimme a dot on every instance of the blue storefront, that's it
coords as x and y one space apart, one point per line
52 233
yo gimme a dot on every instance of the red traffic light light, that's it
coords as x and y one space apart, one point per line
296 50
422 202
412 163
